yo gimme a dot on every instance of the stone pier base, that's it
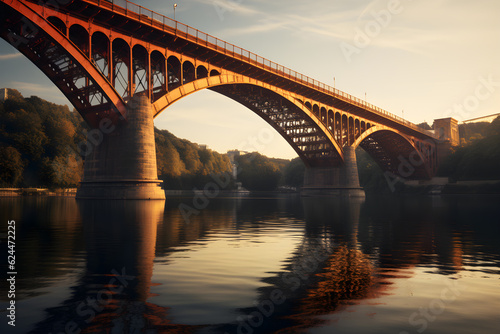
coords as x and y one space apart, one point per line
342 180
122 163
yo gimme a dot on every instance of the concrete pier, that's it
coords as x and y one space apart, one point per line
122 163
341 180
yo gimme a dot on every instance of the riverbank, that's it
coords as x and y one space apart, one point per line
14 192
459 187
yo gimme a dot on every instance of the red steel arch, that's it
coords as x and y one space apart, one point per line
396 153
102 54
68 67
298 125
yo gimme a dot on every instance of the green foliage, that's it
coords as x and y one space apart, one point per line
258 172
294 173
471 132
185 165
478 160
11 166
37 137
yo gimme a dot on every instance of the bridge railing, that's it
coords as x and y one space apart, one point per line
180 29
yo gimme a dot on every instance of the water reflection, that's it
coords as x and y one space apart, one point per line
48 242
111 295
326 270
254 265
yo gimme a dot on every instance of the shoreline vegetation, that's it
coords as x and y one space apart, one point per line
39 142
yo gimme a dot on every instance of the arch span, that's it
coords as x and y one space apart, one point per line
394 152
296 123
63 62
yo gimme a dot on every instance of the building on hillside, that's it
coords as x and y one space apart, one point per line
4 94
232 154
447 130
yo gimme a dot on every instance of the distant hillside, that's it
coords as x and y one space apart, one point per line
470 132
38 145
184 165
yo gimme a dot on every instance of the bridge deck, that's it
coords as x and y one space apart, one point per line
281 76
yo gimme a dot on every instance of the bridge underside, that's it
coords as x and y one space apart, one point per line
63 62
296 127
112 65
398 156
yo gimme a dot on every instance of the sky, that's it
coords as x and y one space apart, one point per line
420 59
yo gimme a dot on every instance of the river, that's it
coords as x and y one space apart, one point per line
254 264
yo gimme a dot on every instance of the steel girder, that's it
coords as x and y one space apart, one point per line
63 63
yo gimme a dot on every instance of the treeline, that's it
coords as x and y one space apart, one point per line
185 165
38 145
259 173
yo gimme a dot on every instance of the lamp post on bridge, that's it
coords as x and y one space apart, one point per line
175 6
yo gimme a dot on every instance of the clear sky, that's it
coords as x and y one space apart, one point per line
423 59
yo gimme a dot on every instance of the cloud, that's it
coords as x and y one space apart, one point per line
254 29
48 92
229 6
36 88
10 56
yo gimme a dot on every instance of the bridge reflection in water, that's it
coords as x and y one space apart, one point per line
343 253
112 293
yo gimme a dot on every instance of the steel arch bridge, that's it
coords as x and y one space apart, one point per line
100 54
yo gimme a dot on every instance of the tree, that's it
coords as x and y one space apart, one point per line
294 173
257 172
11 166
24 131
66 171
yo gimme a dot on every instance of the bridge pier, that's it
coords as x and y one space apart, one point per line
122 163
341 180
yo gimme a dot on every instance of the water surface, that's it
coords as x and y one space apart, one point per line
275 264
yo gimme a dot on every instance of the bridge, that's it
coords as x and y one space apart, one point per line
121 65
